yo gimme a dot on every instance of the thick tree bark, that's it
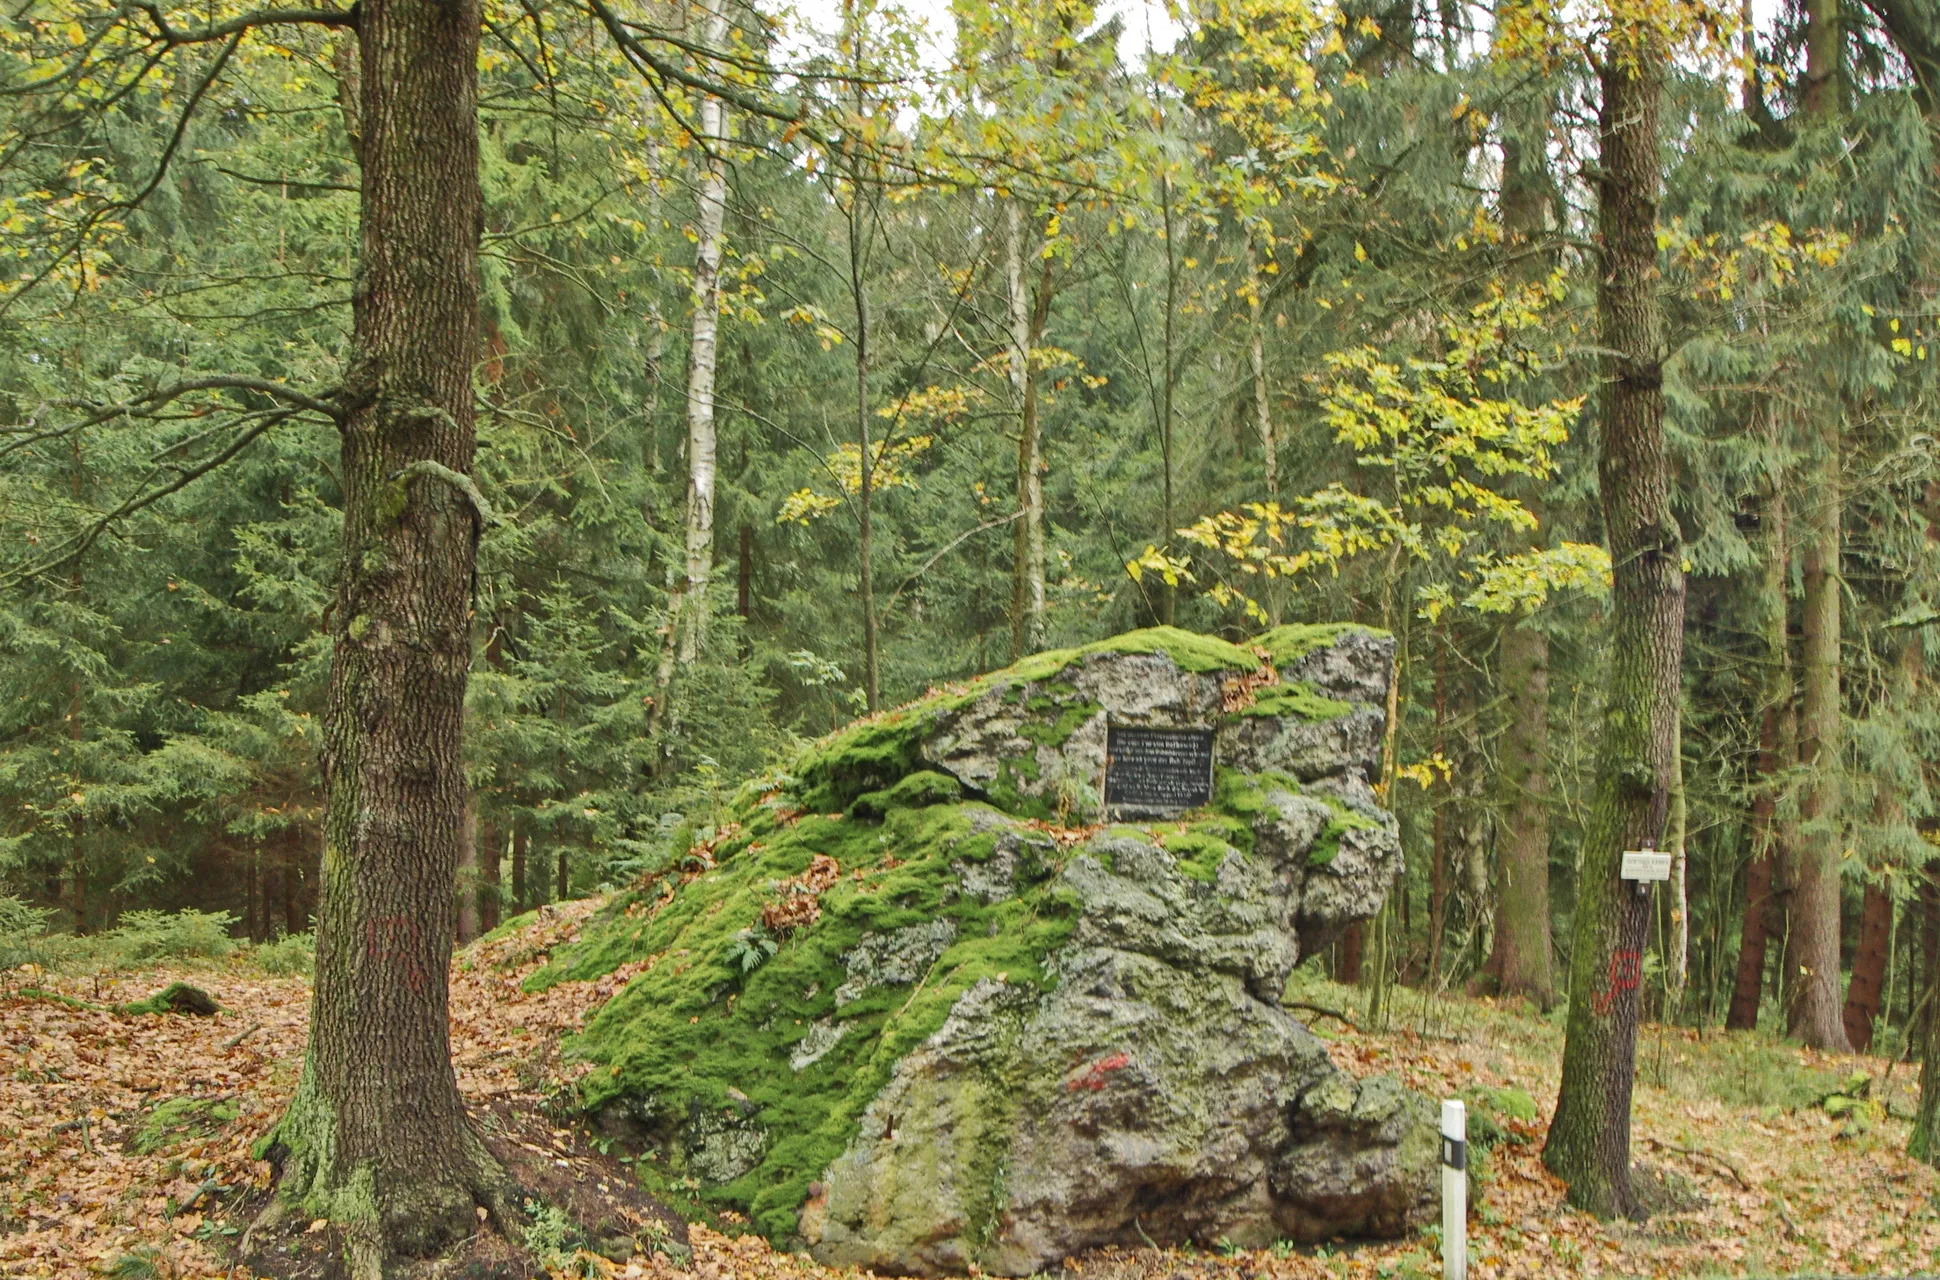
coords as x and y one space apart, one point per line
1589 1139
376 1137
1521 958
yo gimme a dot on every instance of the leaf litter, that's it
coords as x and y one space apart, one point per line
1768 1179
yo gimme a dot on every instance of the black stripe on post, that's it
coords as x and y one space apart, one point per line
1454 1153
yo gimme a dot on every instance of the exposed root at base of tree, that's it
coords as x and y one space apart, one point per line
557 1199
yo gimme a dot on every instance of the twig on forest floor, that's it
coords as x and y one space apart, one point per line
242 1035
1320 1009
1698 1154
80 1121
1785 1216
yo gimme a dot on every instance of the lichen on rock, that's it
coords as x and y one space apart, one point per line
1004 1036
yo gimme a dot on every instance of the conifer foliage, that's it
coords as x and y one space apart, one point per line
445 450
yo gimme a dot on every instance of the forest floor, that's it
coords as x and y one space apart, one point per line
124 1139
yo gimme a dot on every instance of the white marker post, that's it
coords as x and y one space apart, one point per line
1454 1191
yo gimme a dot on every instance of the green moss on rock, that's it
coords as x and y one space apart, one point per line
775 1064
1297 700
1295 640
917 791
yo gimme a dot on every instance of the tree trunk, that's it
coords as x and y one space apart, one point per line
1812 940
565 878
1352 940
1027 318
467 882
687 609
376 1138
521 887
1924 1141
1677 964
865 469
1589 1140
1521 959
1812 937
491 850
1873 948
1868 968
1775 749
1256 353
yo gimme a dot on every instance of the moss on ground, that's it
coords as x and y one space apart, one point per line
176 997
179 1120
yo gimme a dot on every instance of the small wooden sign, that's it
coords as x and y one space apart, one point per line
1151 770
1645 865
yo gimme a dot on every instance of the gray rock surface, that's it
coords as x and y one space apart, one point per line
1157 1089
1147 1082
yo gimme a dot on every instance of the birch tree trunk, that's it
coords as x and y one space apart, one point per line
687 609
1026 323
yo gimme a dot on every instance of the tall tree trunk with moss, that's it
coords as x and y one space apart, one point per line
376 1138
1589 1139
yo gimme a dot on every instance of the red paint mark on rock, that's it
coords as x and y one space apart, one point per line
1095 1076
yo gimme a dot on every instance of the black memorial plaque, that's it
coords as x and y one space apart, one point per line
1157 769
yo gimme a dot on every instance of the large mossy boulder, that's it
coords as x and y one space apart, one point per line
920 1006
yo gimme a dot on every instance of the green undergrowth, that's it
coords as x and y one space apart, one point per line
703 1021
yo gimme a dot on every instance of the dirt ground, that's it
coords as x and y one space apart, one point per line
125 1140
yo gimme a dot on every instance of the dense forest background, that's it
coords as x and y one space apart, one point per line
820 368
